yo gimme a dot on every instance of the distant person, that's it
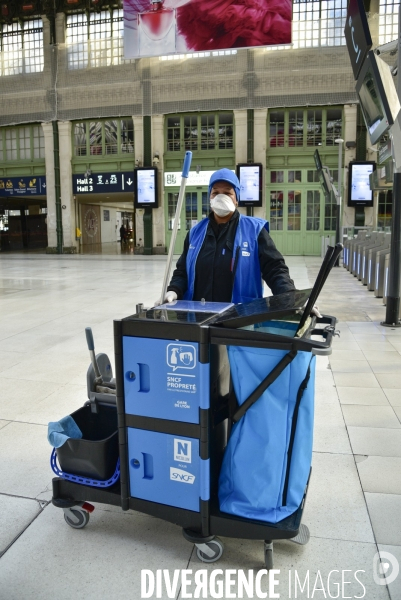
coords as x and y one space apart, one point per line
123 235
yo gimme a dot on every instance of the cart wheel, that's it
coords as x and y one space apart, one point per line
211 551
75 517
268 555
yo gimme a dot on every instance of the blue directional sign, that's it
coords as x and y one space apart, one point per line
23 186
103 183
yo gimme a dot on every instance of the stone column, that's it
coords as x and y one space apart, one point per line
138 146
60 28
50 189
159 243
67 198
259 153
349 135
241 137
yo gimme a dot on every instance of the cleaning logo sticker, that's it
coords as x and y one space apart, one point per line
181 356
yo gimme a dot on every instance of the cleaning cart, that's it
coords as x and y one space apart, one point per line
176 412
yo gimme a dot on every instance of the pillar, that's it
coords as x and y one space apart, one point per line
259 150
50 189
67 198
138 146
159 243
349 135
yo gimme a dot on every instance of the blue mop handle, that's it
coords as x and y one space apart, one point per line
185 173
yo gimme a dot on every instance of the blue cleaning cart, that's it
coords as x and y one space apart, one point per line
180 404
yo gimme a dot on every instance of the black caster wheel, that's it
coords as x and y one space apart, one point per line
269 555
210 552
76 517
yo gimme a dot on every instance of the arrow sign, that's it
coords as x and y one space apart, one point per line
96 183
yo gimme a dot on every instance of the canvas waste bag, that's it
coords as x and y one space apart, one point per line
267 460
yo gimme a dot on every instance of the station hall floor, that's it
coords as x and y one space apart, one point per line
353 508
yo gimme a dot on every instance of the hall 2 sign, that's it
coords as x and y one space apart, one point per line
103 183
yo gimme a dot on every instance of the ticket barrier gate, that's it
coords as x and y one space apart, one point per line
369 277
356 260
368 241
376 239
379 272
350 254
346 251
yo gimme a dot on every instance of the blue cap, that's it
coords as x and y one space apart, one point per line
225 175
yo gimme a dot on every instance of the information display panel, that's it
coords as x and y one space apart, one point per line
374 101
359 191
323 176
250 180
145 188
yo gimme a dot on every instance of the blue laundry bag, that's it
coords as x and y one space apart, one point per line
266 464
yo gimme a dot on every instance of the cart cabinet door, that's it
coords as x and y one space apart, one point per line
167 469
164 379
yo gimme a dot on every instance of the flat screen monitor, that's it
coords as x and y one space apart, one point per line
373 99
359 191
250 181
145 188
318 162
322 174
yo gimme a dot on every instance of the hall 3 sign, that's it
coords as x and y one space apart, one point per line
103 183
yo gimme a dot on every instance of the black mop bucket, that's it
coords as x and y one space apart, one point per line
95 455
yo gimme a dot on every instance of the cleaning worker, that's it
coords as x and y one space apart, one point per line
226 255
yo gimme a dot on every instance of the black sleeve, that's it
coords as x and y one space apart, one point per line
179 280
272 265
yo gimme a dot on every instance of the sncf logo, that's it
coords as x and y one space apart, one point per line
181 476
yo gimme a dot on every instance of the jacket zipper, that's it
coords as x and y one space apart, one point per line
300 393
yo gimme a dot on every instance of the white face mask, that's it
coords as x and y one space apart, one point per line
222 205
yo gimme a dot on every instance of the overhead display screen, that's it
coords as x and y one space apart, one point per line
359 192
145 182
372 97
250 181
162 27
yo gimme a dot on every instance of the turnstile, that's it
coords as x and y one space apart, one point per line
379 272
357 249
369 278
376 239
350 254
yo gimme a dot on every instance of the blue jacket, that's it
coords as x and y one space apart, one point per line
246 267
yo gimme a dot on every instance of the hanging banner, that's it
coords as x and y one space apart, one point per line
160 27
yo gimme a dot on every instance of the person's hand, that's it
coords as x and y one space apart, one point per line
314 311
169 297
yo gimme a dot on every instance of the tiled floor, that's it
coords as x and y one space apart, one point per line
354 501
